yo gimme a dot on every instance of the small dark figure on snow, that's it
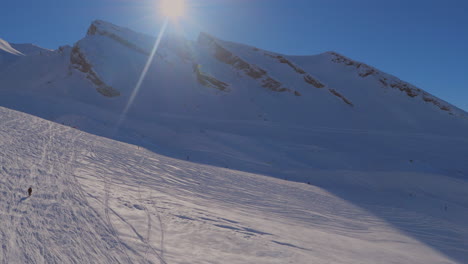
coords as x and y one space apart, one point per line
30 191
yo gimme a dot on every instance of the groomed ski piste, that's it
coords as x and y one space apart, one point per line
96 200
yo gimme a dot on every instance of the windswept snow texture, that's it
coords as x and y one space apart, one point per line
220 143
100 201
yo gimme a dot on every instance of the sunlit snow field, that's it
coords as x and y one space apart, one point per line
100 201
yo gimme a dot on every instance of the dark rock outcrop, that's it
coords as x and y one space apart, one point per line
283 60
437 103
307 77
78 61
365 70
253 71
228 57
95 30
337 94
310 80
209 81
274 85
404 87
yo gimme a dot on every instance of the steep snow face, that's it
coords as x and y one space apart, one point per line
30 49
95 200
8 54
375 98
222 65
5 47
211 78
374 78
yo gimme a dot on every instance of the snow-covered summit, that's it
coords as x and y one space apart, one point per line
387 80
8 54
25 49
214 83
5 47
131 39
16 53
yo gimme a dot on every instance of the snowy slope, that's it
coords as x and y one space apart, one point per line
199 97
10 53
5 47
215 130
100 201
7 53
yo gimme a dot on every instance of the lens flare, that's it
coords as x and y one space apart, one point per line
173 8
142 76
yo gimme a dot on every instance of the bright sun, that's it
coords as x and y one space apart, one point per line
173 8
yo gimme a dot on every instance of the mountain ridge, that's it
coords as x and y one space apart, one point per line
142 43
196 93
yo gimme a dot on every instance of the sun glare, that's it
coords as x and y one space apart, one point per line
173 8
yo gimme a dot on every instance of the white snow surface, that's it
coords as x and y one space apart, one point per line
101 201
7 48
10 53
211 175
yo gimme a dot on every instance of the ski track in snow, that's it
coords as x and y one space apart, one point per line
55 189
99 201
388 175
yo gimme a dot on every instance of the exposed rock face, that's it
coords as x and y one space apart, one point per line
337 94
310 80
296 68
253 71
209 81
307 77
282 59
79 62
274 85
365 70
404 87
108 91
62 49
227 57
94 29
437 103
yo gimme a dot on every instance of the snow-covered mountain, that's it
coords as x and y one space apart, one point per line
215 130
202 96
211 78
9 53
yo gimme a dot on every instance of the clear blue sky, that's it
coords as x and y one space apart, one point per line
422 42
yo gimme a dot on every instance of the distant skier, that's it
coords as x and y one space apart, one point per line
30 191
